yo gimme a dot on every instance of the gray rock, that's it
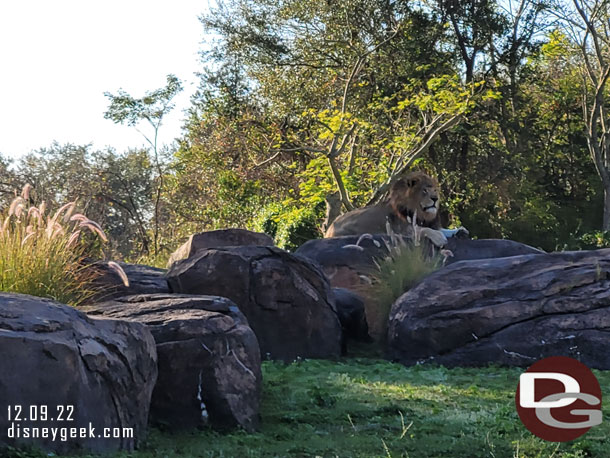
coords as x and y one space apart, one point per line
219 238
350 308
356 252
286 299
142 280
55 356
510 311
467 249
209 360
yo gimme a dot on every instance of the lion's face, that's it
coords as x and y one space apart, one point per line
416 193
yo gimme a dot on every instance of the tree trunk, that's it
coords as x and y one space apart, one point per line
340 185
333 209
606 220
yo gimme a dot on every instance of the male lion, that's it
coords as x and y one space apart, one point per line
415 194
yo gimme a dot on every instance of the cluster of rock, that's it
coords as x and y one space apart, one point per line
61 370
179 348
182 348
494 302
351 262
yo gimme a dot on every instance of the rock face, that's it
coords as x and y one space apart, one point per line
286 299
209 360
510 311
219 238
467 249
142 280
349 262
355 252
92 373
350 308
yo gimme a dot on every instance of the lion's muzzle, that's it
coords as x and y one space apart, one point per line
430 208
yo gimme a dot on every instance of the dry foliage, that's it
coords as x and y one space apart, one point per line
44 254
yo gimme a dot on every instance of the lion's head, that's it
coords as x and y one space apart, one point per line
417 193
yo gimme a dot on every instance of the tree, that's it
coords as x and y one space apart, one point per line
115 190
126 198
328 79
586 25
304 100
8 182
151 108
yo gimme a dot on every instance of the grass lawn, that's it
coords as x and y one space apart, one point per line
364 407
372 408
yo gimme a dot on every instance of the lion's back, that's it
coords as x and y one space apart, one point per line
366 220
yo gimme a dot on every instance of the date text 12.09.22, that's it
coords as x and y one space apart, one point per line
40 413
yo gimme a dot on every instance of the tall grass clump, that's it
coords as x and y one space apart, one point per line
405 265
46 255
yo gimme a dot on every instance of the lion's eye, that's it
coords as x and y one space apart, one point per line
425 192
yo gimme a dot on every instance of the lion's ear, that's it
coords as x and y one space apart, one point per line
400 184
412 181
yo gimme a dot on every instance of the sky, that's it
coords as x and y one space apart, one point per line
58 57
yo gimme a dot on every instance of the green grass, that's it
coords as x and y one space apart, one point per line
372 408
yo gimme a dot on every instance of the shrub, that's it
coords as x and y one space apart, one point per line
290 226
47 256
593 240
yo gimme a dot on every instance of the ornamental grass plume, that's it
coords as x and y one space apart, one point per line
405 265
46 255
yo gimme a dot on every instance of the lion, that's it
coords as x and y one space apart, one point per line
415 196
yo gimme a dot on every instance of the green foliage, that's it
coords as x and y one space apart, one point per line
298 100
557 46
290 226
116 190
152 107
8 182
44 255
594 240
372 408
214 181
290 103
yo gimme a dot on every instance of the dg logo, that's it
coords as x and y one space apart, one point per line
559 399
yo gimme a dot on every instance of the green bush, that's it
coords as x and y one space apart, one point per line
594 240
290 226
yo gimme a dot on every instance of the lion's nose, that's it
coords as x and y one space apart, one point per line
434 199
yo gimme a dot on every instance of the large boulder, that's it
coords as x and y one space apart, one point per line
286 299
357 253
56 362
219 238
209 360
467 249
142 280
510 311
